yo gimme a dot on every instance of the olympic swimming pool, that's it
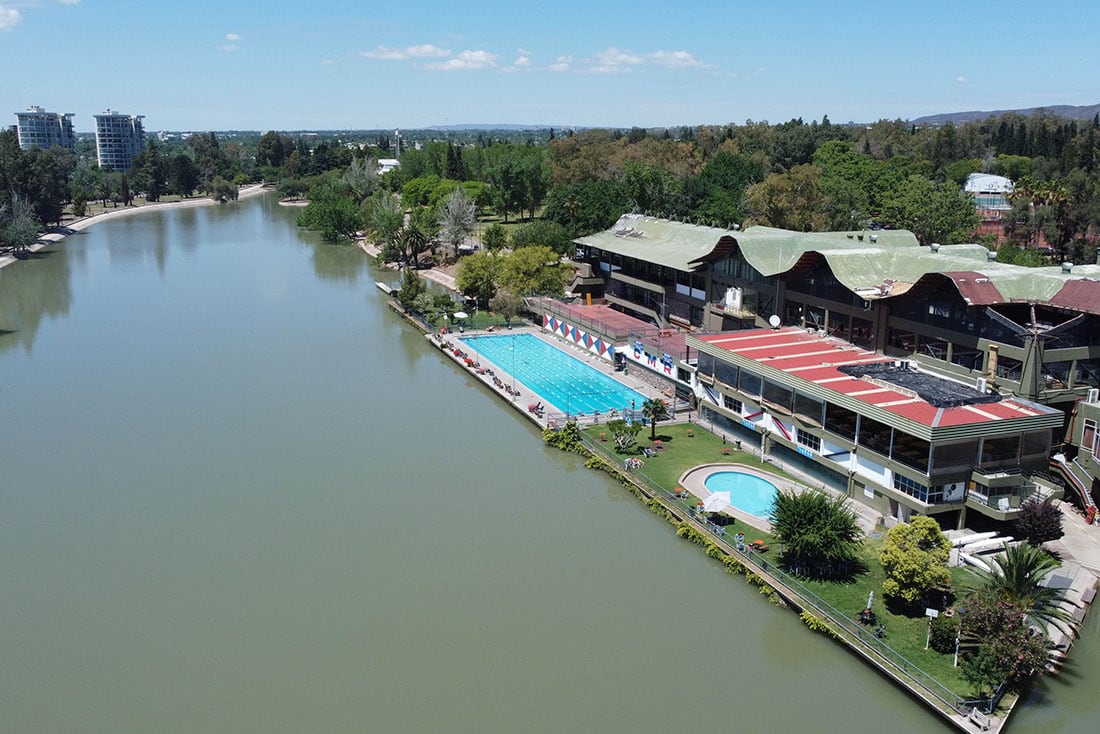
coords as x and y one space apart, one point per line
561 380
748 493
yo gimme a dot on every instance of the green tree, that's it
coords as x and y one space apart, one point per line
224 191
507 305
820 534
360 179
183 175
476 276
1038 522
654 409
996 642
495 237
542 232
933 212
625 434
914 557
331 212
792 200
411 288
535 270
19 226
384 216
1017 576
457 219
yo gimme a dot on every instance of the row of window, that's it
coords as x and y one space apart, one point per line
1028 450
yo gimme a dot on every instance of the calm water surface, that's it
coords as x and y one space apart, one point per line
237 494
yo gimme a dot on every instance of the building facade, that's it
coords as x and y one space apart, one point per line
38 128
118 138
1029 334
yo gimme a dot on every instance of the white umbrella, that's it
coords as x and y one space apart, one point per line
716 501
461 315
870 598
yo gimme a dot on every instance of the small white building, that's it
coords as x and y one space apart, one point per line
385 165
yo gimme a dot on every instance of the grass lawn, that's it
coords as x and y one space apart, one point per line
686 445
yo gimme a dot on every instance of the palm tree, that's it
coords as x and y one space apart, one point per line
655 410
1017 576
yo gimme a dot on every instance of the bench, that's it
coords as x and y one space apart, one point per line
980 720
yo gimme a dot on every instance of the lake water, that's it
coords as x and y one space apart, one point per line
239 494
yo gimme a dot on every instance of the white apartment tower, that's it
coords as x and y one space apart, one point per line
40 129
118 138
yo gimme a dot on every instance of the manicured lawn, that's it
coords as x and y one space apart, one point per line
685 445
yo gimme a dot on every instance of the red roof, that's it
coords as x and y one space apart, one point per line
1079 294
805 356
976 288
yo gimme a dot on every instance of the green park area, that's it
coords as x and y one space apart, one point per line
900 631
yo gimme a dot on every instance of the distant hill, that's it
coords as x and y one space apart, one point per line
1070 112
486 127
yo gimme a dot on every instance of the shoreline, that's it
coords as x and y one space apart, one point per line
84 223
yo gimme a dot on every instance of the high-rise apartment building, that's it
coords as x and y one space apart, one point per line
118 138
40 129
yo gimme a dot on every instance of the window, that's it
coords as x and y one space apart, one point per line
725 372
915 489
778 397
809 440
732 404
750 384
841 421
955 458
1088 437
705 364
1001 452
911 487
808 409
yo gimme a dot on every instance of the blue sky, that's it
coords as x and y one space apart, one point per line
274 64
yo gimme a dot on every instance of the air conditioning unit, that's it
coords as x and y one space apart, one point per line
1093 396
981 385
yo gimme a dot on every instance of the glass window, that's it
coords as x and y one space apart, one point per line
874 435
705 364
778 397
840 421
911 451
1035 450
809 440
1000 452
750 384
863 333
950 458
808 409
725 372
732 404
1088 437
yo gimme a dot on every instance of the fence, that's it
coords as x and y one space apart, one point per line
846 626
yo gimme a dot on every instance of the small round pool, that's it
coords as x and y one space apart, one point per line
748 493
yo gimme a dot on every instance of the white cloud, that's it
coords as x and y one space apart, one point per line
69 2
522 61
961 79
232 37
675 59
613 61
422 51
9 18
466 61
562 63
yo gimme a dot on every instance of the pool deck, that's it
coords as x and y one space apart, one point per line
484 370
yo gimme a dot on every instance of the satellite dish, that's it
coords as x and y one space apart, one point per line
775 321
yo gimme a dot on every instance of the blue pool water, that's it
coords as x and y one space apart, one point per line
565 382
748 493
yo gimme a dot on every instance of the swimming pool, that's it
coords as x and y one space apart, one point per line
564 381
748 493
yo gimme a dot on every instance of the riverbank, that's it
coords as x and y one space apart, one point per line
79 225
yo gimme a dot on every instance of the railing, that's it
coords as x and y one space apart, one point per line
845 624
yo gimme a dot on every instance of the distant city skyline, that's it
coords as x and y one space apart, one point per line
342 65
